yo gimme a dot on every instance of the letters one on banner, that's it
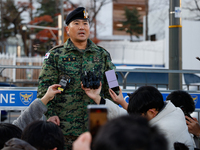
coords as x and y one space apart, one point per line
16 98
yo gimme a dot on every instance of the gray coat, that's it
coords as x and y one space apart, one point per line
32 113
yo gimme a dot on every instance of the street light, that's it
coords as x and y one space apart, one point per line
24 28
32 37
18 36
60 29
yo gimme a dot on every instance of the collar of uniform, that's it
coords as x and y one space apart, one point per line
90 45
69 45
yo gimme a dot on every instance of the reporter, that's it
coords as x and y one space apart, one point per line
95 95
113 109
17 144
44 135
8 131
148 102
118 98
37 108
124 133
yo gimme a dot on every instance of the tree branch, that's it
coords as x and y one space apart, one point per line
196 3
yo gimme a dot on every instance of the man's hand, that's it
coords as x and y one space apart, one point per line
193 126
83 142
118 98
51 92
55 120
93 93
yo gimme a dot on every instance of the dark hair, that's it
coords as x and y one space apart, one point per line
8 131
17 144
44 135
180 146
182 99
145 98
129 133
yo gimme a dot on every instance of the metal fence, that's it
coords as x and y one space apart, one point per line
123 74
19 74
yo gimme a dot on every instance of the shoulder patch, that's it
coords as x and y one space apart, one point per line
46 55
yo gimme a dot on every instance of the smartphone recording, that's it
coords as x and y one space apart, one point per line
112 80
97 118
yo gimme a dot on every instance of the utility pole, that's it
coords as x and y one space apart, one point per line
1 19
31 9
175 44
95 22
146 19
31 42
62 20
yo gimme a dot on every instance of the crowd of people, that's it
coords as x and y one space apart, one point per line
146 122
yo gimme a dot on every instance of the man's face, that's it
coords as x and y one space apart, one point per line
78 30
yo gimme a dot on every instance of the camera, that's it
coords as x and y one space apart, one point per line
90 80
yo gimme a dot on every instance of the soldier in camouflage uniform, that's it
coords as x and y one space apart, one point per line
77 55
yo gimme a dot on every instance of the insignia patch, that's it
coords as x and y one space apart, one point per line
96 59
195 98
69 59
26 97
85 14
46 55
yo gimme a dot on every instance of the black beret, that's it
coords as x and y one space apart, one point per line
78 13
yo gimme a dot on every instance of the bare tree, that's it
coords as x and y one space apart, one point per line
193 7
94 7
11 13
11 16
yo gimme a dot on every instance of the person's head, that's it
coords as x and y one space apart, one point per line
17 144
129 133
78 27
44 135
8 131
146 101
180 146
183 100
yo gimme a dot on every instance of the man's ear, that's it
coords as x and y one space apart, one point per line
153 112
67 29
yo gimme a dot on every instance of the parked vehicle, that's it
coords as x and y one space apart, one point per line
159 80
3 115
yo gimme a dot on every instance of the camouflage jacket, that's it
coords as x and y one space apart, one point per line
71 106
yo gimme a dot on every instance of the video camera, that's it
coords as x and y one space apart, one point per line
64 82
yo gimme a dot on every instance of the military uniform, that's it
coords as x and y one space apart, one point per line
68 62
71 105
